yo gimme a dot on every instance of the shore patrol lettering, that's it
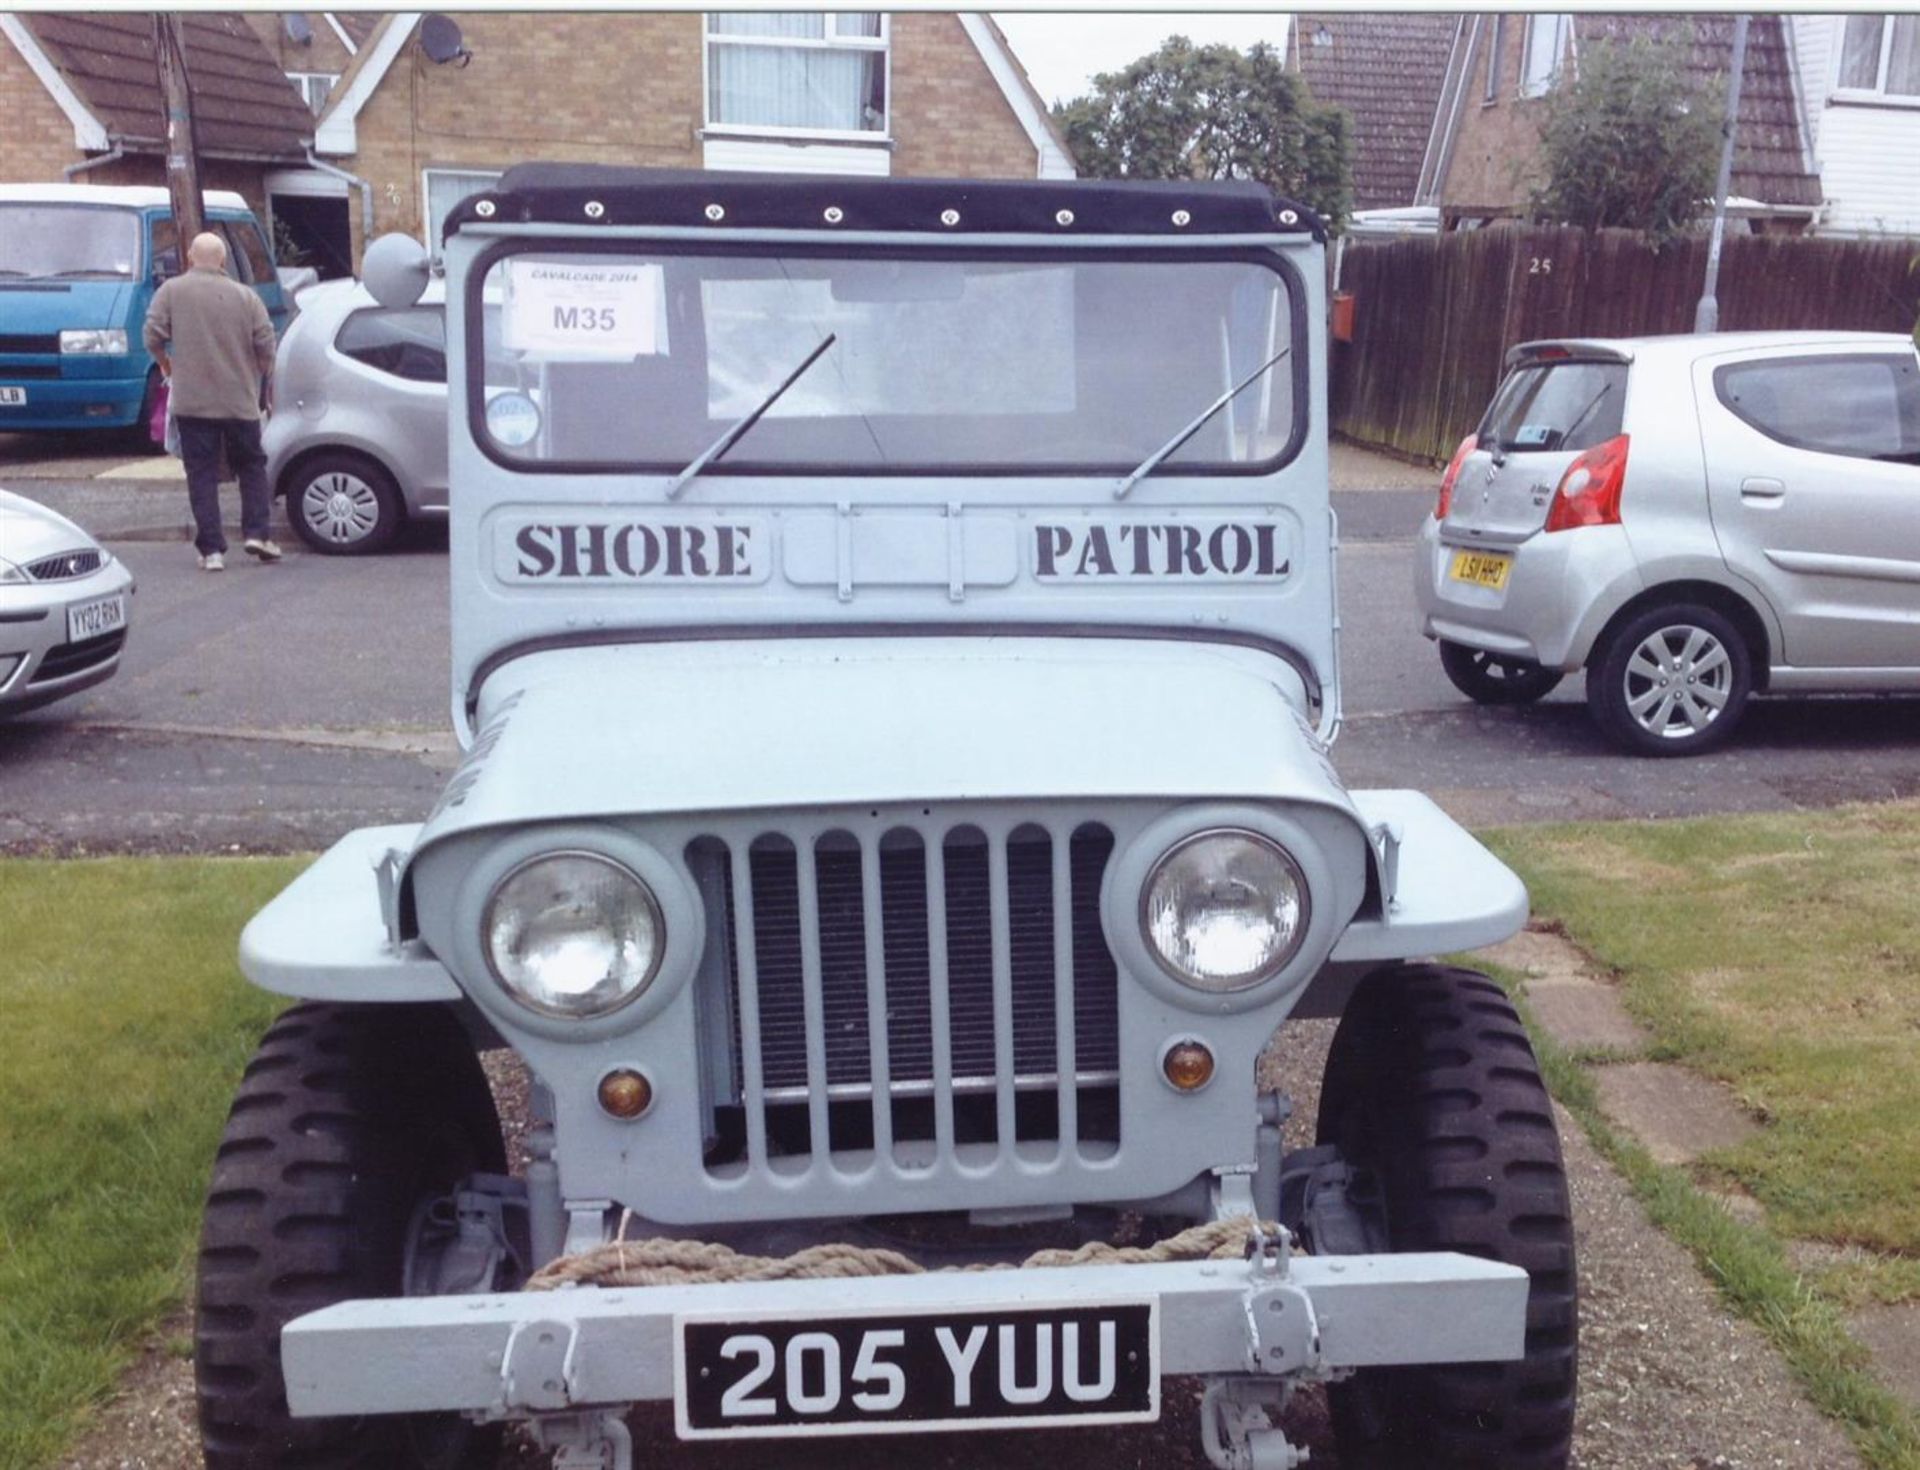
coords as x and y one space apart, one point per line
1089 551
632 551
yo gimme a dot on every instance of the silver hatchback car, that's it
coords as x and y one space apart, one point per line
65 602
358 441
1691 520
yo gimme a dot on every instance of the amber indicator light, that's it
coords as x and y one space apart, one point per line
625 1093
1188 1065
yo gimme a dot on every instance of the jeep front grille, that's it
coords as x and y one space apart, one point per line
962 969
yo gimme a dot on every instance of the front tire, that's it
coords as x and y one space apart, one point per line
1432 1088
347 1118
1671 681
1487 678
344 504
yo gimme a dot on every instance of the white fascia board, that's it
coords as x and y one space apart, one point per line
89 133
335 132
1054 160
340 31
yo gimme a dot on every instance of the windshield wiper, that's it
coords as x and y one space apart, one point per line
1592 404
727 440
1152 462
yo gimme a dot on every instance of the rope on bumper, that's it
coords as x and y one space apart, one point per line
663 1262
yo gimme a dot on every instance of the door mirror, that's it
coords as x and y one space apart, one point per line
395 270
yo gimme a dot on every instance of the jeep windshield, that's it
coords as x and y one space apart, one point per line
44 241
1051 362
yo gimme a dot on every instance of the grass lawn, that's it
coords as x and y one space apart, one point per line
127 1024
1781 954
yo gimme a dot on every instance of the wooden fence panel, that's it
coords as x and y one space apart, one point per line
1434 316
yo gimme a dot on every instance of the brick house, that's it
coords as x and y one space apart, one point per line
83 102
914 93
1386 70
1484 156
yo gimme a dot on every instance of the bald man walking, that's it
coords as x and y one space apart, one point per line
214 342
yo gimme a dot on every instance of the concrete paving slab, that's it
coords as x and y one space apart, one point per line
1676 1114
1577 1007
1891 1335
1583 1016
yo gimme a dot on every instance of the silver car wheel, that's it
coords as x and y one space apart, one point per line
1678 681
341 508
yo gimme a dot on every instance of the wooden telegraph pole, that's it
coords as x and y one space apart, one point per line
183 162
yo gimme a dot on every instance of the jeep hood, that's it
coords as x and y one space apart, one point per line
783 724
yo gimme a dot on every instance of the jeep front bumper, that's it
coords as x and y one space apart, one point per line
524 1355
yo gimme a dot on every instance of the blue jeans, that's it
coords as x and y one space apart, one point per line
200 441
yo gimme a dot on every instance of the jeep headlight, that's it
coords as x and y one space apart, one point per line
573 934
103 341
1224 910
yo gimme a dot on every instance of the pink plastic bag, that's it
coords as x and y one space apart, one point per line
157 421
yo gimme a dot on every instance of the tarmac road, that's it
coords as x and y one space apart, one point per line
275 707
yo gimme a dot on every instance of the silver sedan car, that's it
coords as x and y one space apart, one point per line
358 439
64 606
1691 520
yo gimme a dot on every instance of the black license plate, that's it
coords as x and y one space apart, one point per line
943 1369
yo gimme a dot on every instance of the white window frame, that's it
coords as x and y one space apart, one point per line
301 79
1531 86
491 175
1877 94
832 41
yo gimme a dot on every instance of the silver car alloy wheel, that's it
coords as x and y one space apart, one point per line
1677 681
340 507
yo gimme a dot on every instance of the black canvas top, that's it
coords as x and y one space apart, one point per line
551 193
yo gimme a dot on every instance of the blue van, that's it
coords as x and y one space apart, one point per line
79 264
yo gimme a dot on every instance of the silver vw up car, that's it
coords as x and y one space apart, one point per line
1691 520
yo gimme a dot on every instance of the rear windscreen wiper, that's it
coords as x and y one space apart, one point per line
727 440
1592 404
1152 462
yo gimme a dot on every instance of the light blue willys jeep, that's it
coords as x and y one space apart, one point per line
894 640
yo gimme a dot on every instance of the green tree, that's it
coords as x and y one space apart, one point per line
1214 112
1632 140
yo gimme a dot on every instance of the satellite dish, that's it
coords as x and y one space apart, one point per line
440 39
298 30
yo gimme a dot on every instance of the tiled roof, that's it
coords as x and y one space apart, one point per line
243 104
1768 162
1386 70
